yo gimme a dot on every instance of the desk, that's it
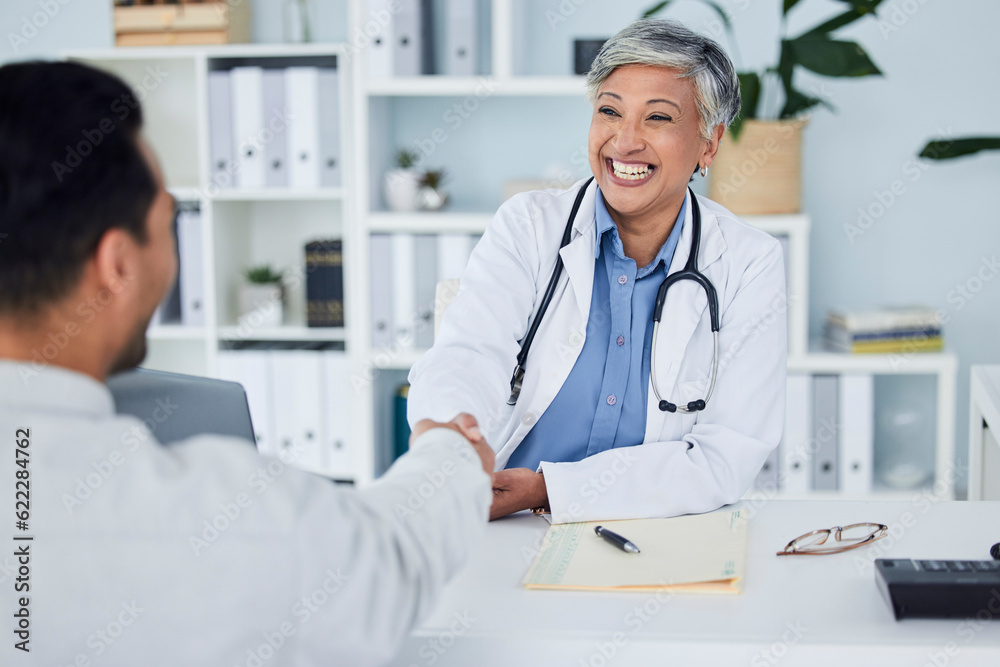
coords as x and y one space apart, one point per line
984 424
803 610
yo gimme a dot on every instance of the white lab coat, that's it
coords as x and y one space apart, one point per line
687 463
203 553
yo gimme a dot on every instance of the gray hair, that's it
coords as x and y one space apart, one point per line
667 43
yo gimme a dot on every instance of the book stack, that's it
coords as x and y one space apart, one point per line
888 331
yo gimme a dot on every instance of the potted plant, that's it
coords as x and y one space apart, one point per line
261 297
431 197
402 183
758 167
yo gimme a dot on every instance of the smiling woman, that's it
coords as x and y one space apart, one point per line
568 289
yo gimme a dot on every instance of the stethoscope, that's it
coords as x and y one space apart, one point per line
689 272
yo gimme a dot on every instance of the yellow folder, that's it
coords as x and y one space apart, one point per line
700 553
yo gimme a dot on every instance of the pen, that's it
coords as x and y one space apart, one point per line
617 540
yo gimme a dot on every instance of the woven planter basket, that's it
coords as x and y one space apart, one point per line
761 173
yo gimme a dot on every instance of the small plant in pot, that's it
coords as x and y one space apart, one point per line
758 167
431 197
402 183
261 297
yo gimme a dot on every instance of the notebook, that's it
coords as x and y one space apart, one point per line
700 553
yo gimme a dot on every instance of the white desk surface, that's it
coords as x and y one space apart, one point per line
796 610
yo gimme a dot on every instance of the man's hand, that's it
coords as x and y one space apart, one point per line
517 489
465 424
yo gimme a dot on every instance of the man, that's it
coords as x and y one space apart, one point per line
199 553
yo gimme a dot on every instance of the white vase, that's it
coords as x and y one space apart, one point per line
401 187
429 199
261 305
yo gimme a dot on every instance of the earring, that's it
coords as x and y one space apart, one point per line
704 172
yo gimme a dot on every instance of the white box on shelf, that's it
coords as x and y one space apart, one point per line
302 98
190 247
794 458
856 407
330 158
248 125
252 369
298 408
404 292
337 413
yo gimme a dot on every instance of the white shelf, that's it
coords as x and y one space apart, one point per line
207 51
289 333
429 223
394 360
483 86
186 193
917 363
279 194
176 332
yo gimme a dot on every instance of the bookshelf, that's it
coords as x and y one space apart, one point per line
524 107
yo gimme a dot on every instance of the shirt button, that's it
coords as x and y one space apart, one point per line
622 279
612 400
621 340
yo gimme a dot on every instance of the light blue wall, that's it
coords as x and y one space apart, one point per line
939 67
50 26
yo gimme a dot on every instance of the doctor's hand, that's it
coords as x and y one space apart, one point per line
517 489
465 424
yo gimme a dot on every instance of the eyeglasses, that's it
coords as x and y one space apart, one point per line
849 537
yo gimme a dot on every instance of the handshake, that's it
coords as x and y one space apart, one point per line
514 489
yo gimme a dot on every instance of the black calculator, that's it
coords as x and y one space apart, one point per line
940 588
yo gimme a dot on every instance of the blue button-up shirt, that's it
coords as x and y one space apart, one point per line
602 404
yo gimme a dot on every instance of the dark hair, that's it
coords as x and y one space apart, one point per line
70 170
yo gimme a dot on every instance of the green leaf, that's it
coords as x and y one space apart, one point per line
850 16
831 57
749 96
660 6
797 102
864 6
788 5
655 9
947 149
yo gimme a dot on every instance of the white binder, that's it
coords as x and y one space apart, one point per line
462 28
381 289
404 293
857 432
248 123
337 413
298 408
767 478
794 460
220 130
192 268
252 369
453 255
276 121
330 163
408 44
425 268
380 50
302 102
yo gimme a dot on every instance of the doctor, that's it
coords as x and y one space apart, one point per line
608 421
